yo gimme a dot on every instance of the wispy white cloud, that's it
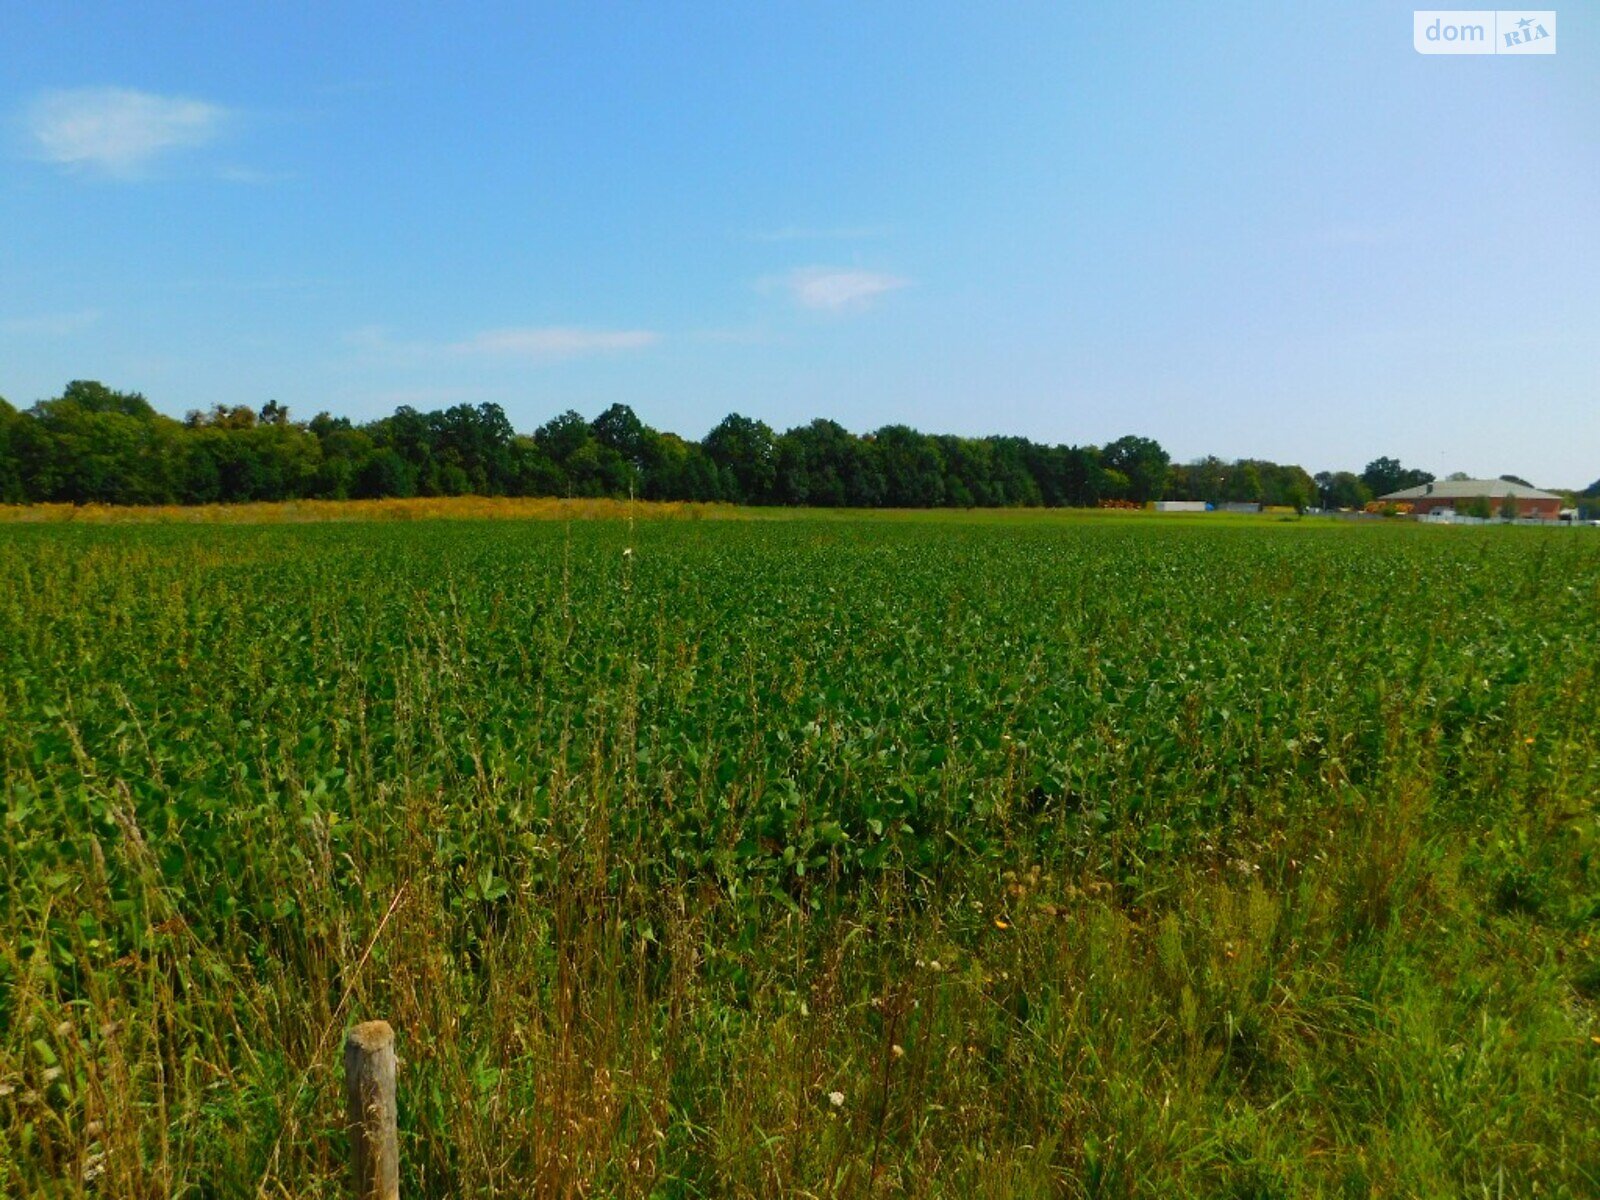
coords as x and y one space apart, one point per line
811 233
118 131
836 288
543 343
51 325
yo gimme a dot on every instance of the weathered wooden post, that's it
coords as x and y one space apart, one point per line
369 1065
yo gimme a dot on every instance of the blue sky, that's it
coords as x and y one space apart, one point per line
1245 229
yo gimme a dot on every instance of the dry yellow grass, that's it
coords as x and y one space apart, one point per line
417 509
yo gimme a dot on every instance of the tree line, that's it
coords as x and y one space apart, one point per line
93 444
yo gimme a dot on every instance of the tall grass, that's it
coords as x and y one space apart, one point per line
847 857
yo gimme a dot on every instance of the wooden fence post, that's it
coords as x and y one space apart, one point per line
369 1065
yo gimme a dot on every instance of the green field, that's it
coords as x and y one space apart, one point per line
931 856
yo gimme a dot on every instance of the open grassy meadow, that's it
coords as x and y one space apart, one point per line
823 856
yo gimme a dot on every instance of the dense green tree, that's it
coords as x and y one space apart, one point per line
620 430
1268 483
470 450
792 482
1243 484
94 397
745 452
222 416
675 469
1045 465
968 467
385 473
11 491
1207 480
262 462
1290 486
1589 502
1143 462
345 452
409 434
1341 489
840 469
1385 475
563 436
93 443
1013 482
532 471
913 468
596 470
1085 480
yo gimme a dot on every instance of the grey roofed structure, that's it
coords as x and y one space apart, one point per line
1470 489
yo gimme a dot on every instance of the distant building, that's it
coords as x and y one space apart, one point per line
1460 495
